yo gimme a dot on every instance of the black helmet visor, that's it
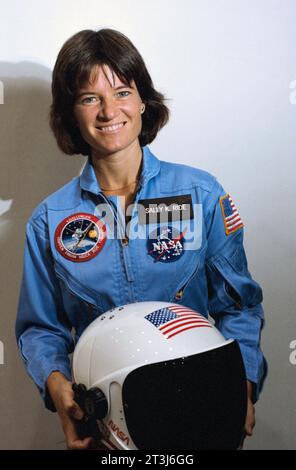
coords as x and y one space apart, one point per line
197 402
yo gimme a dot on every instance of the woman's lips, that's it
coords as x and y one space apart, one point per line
111 129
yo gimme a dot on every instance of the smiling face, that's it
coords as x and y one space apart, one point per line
108 113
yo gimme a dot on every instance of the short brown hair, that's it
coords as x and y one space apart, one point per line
72 69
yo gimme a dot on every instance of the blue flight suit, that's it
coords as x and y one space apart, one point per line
61 295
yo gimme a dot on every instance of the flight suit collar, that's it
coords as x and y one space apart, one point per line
151 167
88 180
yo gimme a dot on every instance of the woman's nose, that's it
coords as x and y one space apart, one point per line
108 110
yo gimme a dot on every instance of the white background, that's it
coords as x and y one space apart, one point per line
228 68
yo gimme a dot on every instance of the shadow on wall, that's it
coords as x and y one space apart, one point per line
31 167
266 437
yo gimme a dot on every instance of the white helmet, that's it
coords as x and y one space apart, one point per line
157 375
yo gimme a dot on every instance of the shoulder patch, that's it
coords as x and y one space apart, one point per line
231 217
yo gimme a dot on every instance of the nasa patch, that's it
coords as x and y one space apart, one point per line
80 237
166 244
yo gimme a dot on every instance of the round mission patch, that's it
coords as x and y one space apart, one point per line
80 237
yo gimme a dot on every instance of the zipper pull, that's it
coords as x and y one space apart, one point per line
179 294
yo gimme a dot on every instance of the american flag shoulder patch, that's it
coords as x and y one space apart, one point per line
175 319
231 217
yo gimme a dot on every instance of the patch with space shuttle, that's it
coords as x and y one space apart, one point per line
80 237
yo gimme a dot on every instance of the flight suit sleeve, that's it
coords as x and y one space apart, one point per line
234 297
43 334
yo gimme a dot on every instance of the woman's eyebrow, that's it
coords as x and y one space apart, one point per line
95 92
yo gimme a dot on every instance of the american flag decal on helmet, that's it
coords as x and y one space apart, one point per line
172 320
231 218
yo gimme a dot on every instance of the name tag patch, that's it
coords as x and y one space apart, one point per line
166 244
165 210
80 237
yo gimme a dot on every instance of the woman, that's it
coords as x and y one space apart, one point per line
89 248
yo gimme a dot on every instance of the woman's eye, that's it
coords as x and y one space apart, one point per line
89 100
124 93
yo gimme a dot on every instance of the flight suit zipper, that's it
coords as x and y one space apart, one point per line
124 243
181 291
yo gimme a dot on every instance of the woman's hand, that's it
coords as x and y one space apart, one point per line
250 418
62 395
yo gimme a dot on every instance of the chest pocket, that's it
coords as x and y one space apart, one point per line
81 304
167 262
191 287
